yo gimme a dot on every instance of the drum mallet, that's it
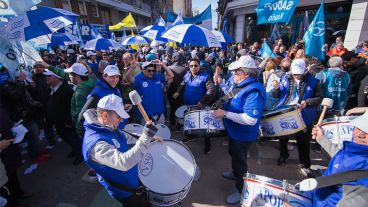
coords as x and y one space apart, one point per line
137 100
326 103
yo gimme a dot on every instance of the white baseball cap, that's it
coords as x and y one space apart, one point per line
244 61
70 51
145 64
48 72
90 53
298 66
361 122
113 102
112 70
77 68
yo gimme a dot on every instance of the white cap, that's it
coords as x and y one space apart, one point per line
244 61
154 51
77 68
145 64
113 103
70 51
361 122
48 72
26 74
90 53
298 66
112 70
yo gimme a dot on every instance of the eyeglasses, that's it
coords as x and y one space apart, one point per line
193 66
236 72
150 71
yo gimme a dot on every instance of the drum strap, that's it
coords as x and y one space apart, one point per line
338 178
137 191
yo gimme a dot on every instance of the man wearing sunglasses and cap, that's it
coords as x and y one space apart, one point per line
242 115
149 85
353 156
106 151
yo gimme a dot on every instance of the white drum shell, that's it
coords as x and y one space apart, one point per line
263 191
202 121
167 171
179 114
285 122
338 129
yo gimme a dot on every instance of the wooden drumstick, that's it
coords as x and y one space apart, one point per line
326 103
136 100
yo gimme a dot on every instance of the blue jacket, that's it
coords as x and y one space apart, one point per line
351 157
93 66
102 88
309 84
95 133
194 89
151 91
250 100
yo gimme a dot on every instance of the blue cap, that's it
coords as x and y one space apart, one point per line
150 57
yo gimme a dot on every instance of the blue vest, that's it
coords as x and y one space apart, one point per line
240 104
309 83
151 91
94 134
352 157
94 67
336 87
194 89
102 88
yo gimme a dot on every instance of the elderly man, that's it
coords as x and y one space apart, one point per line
242 115
149 85
106 151
353 156
336 85
303 90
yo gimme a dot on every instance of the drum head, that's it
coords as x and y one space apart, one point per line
135 129
278 111
167 167
180 111
163 131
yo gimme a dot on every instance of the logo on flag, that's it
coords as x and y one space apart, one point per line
272 11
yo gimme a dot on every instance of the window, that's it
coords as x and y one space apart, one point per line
84 21
82 7
94 9
66 5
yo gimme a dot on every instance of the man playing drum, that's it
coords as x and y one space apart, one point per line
242 116
302 89
105 150
199 90
353 156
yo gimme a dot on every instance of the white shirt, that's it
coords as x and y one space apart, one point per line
55 88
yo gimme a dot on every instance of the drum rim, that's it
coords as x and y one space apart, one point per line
194 164
186 108
255 178
339 119
281 111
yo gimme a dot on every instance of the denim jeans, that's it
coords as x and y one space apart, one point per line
238 151
32 138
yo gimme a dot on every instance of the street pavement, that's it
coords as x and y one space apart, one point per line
58 183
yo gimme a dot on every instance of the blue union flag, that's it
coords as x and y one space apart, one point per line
314 38
272 11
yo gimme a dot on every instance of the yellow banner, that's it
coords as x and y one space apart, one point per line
128 22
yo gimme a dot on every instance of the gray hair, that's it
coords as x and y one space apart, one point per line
251 72
103 64
335 62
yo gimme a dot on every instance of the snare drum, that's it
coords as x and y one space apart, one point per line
135 129
263 191
179 114
282 122
338 129
201 122
167 170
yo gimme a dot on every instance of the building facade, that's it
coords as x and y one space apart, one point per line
110 12
183 6
340 15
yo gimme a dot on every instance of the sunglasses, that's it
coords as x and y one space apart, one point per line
236 72
193 66
150 71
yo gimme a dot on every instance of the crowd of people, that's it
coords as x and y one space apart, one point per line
83 98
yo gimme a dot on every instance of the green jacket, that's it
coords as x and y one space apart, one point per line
79 97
